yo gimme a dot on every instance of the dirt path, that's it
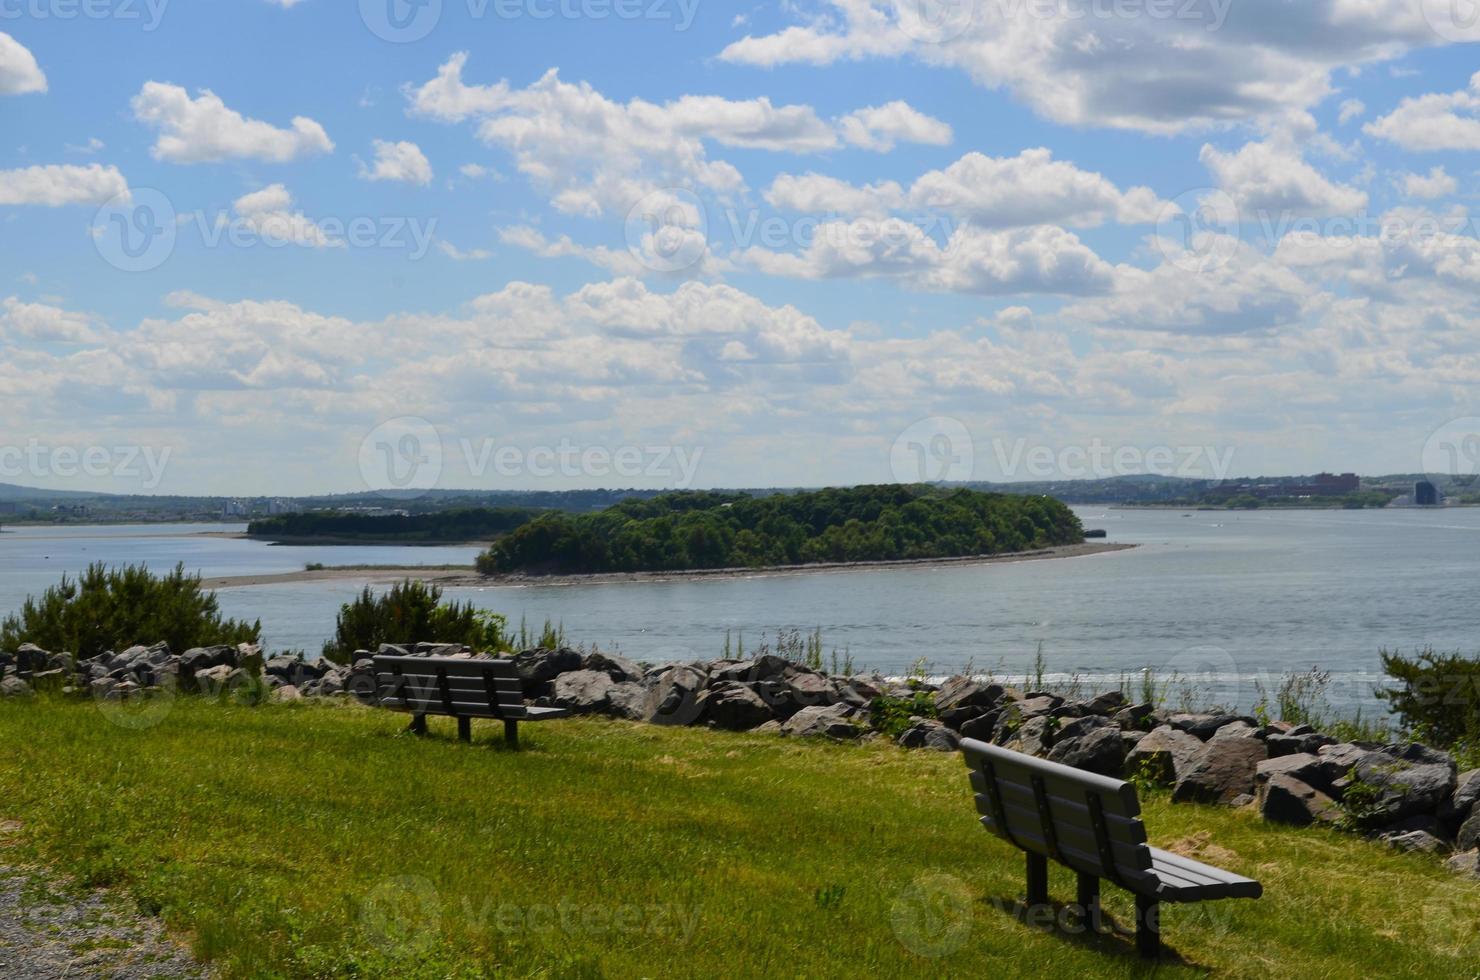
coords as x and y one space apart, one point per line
48 932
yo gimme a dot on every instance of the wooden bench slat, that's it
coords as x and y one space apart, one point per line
1129 857
1212 882
1129 830
470 684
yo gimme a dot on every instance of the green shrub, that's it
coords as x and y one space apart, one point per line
108 608
1437 696
413 612
891 715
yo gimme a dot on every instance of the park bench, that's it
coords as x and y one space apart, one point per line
457 688
1092 825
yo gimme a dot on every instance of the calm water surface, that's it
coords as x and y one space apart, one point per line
1224 599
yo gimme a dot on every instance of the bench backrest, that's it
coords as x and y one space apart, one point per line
1088 822
449 686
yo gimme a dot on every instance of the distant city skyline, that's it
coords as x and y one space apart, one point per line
545 246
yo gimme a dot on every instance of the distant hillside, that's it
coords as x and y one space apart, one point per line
697 530
468 524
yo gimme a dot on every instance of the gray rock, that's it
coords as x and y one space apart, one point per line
1106 702
287 693
102 688
200 658
1290 743
583 691
537 669
980 728
620 669
962 692
1035 737
1223 770
673 698
1238 729
1135 717
214 680
1420 841
1077 728
1284 799
1411 779
1205 726
834 721
14 687
1465 799
628 699
29 658
1467 863
1307 768
769 667
927 733
734 707
1163 755
1468 836
1102 750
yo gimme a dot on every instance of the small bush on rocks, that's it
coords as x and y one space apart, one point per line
109 608
408 612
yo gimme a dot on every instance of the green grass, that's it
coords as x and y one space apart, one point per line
317 840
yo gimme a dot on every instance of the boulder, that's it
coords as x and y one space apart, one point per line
14 687
1080 727
200 658
1289 743
618 668
672 699
1163 755
980 728
1205 726
1308 769
1284 799
627 699
1223 770
583 691
214 680
102 688
959 693
1102 750
1238 729
954 718
834 721
1106 702
1464 800
538 668
734 707
1468 836
1420 841
1410 779
1035 737
768 667
1135 717
1467 863
29 657
927 733
287 693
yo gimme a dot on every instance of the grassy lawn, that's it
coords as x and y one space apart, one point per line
314 840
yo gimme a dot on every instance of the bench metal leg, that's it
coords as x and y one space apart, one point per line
1037 880
418 725
1148 927
511 732
465 729
1089 901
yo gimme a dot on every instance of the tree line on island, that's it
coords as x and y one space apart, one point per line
694 530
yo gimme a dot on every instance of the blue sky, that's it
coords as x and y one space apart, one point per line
1234 235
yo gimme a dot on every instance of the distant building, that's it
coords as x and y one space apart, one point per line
281 506
1425 494
234 508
